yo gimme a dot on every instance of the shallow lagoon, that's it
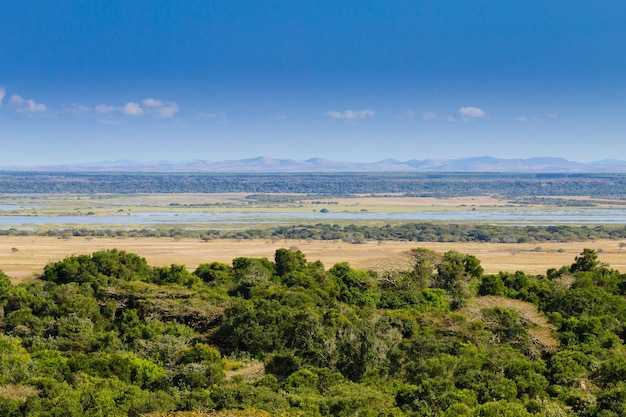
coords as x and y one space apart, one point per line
222 219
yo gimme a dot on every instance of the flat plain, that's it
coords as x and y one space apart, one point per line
23 257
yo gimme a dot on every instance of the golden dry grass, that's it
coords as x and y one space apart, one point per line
249 373
22 257
539 329
17 392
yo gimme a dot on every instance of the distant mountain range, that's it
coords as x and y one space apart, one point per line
267 165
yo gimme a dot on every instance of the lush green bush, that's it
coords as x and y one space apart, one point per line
107 334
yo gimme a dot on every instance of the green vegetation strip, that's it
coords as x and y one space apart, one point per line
412 232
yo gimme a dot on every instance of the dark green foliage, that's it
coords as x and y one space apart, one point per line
289 261
353 284
426 263
338 184
100 269
175 274
456 274
282 365
413 232
199 366
215 273
502 408
239 396
527 287
491 285
250 272
586 261
10 407
5 285
612 401
126 367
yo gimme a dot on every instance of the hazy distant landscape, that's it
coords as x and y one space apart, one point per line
313 165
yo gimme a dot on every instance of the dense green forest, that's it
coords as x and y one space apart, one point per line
409 232
108 335
335 184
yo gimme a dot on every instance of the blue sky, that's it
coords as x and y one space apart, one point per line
361 81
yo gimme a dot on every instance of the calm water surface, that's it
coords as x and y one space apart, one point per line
578 216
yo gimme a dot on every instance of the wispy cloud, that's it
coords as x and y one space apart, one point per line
429 115
167 111
148 107
553 116
77 110
521 119
475 112
151 107
350 114
23 105
220 116
151 102
132 109
105 109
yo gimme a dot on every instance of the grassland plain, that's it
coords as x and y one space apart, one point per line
23 257
110 204
117 204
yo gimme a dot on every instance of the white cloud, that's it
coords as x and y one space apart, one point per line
521 119
16 100
104 109
132 109
553 116
350 114
429 115
150 107
472 112
152 102
35 107
77 109
23 105
168 111
162 110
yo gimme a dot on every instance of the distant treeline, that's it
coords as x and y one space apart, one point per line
411 232
335 184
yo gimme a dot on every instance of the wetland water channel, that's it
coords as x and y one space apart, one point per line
245 219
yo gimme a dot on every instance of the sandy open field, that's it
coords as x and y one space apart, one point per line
23 257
